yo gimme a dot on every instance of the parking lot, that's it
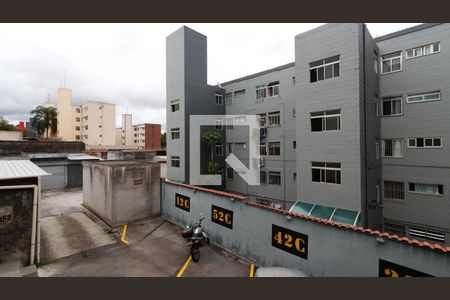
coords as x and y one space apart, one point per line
155 247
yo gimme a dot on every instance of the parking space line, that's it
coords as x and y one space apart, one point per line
252 270
184 267
123 234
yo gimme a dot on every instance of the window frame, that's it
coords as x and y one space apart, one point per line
422 52
386 99
424 144
175 159
228 98
218 146
424 193
390 59
323 172
384 190
273 146
408 96
323 65
270 116
218 97
323 115
383 147
230 173
273 173
241 93
174 104
175 131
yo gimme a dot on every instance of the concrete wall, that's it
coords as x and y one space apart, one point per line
11 135
20 147
122 191
331 250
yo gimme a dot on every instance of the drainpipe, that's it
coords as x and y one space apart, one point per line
35 208
366 193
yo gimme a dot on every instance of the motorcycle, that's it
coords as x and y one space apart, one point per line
196 238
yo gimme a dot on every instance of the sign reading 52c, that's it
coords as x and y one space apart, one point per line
290 241
222 216
183 202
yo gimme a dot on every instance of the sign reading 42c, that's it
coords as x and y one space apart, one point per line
290 241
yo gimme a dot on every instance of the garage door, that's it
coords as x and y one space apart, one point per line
74 175
55 181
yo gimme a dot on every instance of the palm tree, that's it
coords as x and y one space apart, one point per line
44 119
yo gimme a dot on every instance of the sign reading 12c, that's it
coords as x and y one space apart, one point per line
222 216
183 202
290 241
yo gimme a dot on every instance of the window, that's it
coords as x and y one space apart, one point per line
77 119
294 113
262 177
274 148
425 234
392 106
326 172
219 124
229 98
295 176
77 128
175 161
219 149
85 136
423 50
394 190
324 69
175 105
77 137
85 127
77 110
99 126
219 99
275 178
262 149
430 189
230 173
239 93
430 96
391 62
85 117
262 120
260 92
274 119
230 147
392 147
377 149
85 108
273 89
241 146
294 144
420 142
175 133
326 120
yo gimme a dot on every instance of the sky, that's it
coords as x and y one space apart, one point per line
125 63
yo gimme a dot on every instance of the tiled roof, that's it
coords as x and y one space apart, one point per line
216 192
357 228
377 233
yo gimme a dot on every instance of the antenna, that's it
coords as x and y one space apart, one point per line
64 78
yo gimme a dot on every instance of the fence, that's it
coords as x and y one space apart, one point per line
272 237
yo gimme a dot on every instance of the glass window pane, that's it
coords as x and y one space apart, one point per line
410 53
328 71
332 123
316 175
395 64
412 142
437 142
386 66
336 69
427 49
429 142
397 107
330 176
386 108
332 59
338 177
313 75
333 165
418 51
320 74
435 47
419 142
317 164
316 124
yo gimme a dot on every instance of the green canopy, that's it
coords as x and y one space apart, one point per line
334 214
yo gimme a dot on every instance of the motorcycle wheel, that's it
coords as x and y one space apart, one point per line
195 253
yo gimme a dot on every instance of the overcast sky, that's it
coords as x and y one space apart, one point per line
125 63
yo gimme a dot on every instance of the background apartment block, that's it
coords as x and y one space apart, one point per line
353 131
140 136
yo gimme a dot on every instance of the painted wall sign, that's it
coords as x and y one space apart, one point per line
389 269
222 216
6 214
183 202
290 241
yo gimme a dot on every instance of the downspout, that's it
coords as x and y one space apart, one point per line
366 214
38 221
35 213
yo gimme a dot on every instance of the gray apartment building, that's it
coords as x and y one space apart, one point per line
353 131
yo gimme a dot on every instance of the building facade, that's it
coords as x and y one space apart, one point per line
147 136
353 131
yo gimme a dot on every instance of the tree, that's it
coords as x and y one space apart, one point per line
44 119
163 140
4 125
211 138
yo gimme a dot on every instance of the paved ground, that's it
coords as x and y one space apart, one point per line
155 248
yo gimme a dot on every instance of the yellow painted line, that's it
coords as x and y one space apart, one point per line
252 270
123 234
184 267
